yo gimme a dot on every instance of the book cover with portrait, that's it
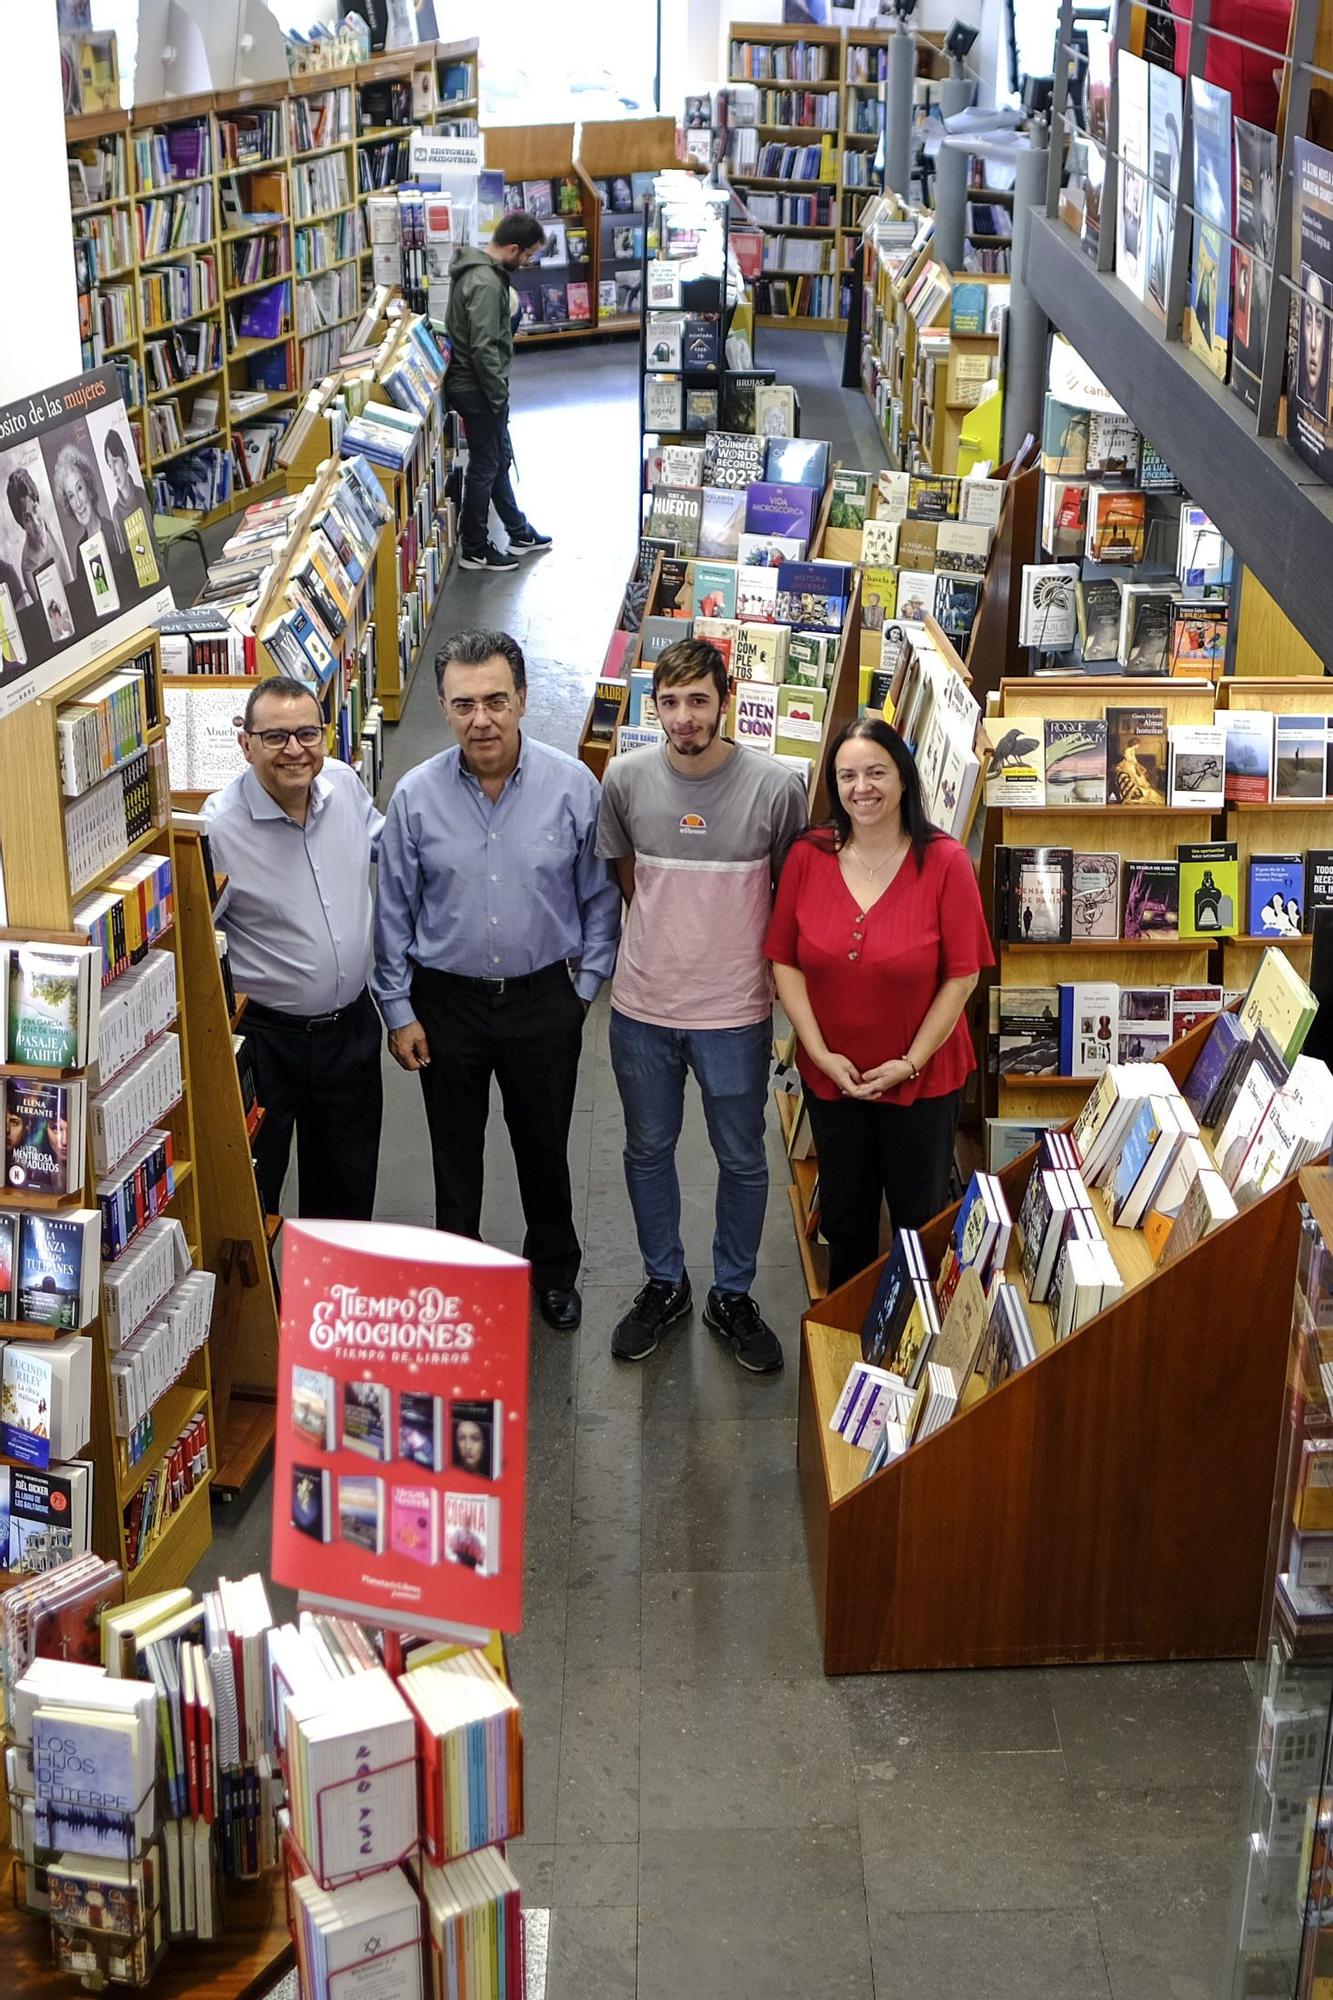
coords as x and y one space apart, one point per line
1312 272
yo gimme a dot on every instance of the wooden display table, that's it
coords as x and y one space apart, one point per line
253 1954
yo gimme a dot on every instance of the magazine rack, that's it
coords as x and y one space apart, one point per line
1108 1502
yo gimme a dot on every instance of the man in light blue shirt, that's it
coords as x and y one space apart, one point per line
495 925
295 839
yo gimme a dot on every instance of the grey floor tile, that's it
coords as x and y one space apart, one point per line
897 1717
603 1626
1003 1954
593 1954
534 1864
774 1913
1162 1870
729 1625
1173 1724
597 1875
986 1833
599 1757
728 1754
721 1495
607 1468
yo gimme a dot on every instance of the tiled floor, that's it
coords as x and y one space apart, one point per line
707 1815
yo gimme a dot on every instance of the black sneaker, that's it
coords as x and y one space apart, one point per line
527 542
487 558
736 1317
657 1305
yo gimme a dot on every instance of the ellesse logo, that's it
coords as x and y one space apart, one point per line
693 823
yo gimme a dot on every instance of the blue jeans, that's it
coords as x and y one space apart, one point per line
731 1068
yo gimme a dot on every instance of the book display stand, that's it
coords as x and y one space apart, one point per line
221 247
682 363
130 1451
540 166
1281 1940
607 151
252 1954
1065 1515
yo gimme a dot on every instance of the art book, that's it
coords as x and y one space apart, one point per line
425 1339
1312 255
1209 888
1209 316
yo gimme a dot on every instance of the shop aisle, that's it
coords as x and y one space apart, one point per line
708 1815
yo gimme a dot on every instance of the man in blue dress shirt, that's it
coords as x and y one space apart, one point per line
495 925
295 839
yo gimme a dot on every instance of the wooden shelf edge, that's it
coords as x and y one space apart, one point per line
243 1450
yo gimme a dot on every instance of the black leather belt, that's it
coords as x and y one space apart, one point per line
304 1023
520 982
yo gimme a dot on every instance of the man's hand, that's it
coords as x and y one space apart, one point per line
408 1046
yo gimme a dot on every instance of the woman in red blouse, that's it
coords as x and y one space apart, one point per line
877 938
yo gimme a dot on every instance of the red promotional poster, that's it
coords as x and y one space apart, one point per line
402 1425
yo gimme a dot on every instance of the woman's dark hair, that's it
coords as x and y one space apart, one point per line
20 488
836 830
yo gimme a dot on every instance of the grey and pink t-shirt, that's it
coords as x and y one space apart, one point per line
707 852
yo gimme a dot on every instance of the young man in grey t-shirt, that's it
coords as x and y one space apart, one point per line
697 828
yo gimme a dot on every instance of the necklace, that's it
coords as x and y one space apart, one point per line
865 865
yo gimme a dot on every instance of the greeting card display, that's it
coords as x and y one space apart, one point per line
79 570
407 1348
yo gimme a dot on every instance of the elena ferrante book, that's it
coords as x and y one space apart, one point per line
424 1340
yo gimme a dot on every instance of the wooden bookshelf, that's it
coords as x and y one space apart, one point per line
606 149
244 1346
548 153
775 44
1137 833
319 249
1075 1513
38 888
412 561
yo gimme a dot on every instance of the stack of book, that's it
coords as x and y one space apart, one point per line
471 1750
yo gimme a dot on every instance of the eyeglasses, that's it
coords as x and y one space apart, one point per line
308 735
464 707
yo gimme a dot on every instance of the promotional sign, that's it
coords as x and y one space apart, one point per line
402 1425
79 571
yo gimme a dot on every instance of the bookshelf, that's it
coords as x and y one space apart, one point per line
547 153
1279 1939
865 57
608 149
412 561
1073 1513
42 894
1279 828
296 157
1136 833
243 1349
782 61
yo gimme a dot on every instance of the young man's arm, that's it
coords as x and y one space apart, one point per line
489 340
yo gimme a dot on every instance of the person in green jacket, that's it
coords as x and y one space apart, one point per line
481 341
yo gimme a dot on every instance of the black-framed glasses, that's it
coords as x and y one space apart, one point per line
308 735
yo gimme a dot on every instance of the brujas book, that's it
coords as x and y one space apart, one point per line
425 1339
